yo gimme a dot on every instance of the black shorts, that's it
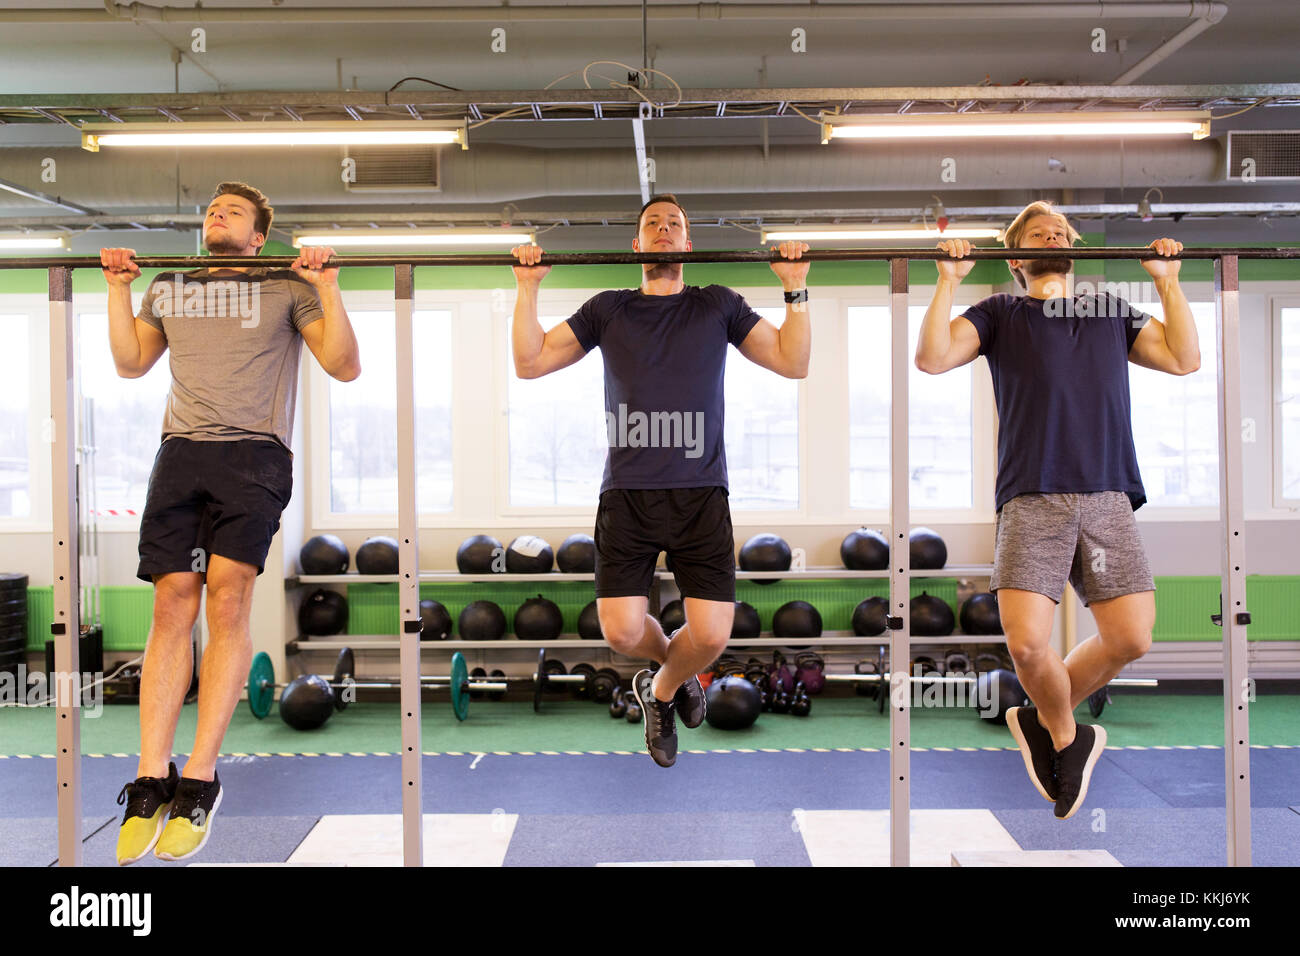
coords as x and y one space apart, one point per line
692 524
213 497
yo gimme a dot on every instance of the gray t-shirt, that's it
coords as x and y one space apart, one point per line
235 341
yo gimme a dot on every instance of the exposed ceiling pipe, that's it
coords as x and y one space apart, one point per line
112 12
1168 48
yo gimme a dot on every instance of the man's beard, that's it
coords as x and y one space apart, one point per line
222 247
1032 268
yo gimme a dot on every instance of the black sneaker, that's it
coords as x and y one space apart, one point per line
191 819
1035 745
1074 767
148 800
660 725
690 703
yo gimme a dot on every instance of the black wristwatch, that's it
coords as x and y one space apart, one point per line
799 295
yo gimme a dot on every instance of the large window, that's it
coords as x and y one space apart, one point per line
558 440
363 418
1288 418
128 417
15 477
939 422
1176 424
762 432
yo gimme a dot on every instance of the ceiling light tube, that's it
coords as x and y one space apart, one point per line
408 238
17 241
1195 123
216 135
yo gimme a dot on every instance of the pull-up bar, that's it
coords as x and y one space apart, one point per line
1234 615
634 258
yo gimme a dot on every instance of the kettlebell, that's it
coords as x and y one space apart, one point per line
781 678
810 669
801 704
618 706
780 702
633 709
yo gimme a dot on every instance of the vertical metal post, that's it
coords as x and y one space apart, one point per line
1236 669
408 567
66 626
900 713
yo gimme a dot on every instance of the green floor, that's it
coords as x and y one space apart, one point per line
1133 719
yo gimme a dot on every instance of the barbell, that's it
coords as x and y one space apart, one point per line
598 684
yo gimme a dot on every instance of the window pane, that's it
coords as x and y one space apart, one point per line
1289 420
939 427
558 441
762 432
363 418
15 487
1176 423
128 417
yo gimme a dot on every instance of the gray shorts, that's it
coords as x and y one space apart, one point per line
1090 539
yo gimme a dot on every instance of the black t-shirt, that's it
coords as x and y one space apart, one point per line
1062 391
665 356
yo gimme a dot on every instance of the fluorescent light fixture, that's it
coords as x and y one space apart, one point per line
407 238
1195 123
35 241
364 133
815 233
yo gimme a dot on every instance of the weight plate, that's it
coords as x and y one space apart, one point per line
604 686
477 673
260 692
539 680
459 692
497 694
345 667
583 691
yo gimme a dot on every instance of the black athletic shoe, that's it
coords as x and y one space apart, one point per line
1074 767
148 801
660 724
1035 745
690 703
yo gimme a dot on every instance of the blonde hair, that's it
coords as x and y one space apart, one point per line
1011 238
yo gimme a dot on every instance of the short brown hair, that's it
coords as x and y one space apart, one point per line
663 197
262 222
1015 232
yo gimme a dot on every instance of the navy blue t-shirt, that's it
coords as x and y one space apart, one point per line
1065 423
665 356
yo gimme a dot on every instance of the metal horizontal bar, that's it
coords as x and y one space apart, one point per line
636 258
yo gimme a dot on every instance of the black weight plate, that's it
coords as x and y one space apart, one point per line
477 673
583 691
605 684
539 680
11 582
13 604
345 667
496 694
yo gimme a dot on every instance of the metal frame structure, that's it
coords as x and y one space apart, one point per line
1235 617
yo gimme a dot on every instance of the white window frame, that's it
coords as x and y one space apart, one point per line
1289 507
40 460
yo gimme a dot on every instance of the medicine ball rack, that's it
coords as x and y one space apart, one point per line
1234 616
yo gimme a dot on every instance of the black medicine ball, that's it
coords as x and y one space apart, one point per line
538 620
931 616
980 615
927 550
577 555
871 617
865 549
733 703
435 622
476 554
323 554
378 555
307 702
996 692
745 626
323 613
796 619
481 621
672 617
765 552
529 554
589 623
